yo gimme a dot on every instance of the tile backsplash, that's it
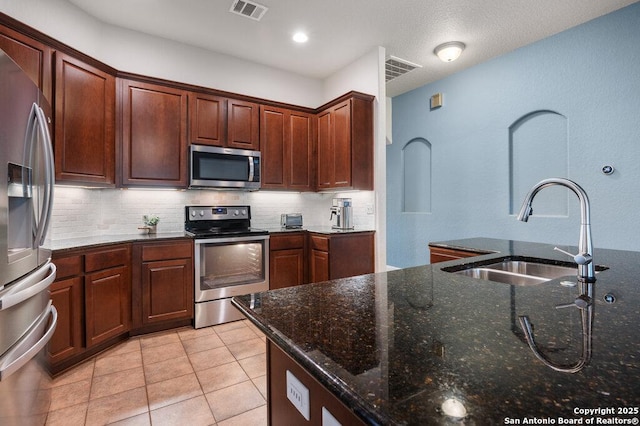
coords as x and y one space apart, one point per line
80 212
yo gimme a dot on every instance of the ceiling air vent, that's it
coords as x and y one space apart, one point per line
248 9
395 67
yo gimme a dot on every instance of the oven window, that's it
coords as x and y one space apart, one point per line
231 264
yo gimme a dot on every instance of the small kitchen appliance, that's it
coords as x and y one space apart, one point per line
291 220
343 212
225 168
230 259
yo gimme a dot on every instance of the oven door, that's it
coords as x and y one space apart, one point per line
227 267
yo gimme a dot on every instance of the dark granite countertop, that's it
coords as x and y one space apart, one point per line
394 346
100 240
319 230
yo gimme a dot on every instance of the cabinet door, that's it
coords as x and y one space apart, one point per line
208 114
342 145
66 342
107 304
325 150
167 290
273 135
319 266
299 156
84 123
32 56
243 129
286 268
154 135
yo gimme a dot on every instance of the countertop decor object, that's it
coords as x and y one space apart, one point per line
406 347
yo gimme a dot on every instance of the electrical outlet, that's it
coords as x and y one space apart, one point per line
328 419
298 394
369 208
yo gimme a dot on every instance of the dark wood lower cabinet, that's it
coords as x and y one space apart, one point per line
282 412
92 294
67 297
336 256
107 304
163 285
287 260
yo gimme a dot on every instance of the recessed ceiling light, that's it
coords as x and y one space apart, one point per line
300 37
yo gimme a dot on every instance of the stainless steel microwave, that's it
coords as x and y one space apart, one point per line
225 168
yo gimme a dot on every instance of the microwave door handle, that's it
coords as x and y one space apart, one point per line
45 217
251 169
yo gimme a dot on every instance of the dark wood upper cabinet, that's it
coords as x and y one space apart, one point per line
31 55
243 128
208 119
154 135
84 123
300 158
345 144
286 144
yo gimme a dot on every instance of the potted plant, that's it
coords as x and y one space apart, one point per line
151 222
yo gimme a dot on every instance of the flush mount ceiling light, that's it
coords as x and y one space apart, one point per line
450 51
300 37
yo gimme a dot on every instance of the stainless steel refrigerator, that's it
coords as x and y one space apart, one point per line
27 317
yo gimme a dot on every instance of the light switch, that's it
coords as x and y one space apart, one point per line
298 394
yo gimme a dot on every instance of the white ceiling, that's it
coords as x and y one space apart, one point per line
341 31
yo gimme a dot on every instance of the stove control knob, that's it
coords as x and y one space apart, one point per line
244 212
193 213
236 212
201 213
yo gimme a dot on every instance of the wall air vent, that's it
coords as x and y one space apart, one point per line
395 67
248 9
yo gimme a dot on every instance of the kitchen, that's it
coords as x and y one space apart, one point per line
173 222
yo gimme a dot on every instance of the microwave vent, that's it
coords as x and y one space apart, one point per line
248 9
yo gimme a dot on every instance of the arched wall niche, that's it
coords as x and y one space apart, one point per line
416 180
538 149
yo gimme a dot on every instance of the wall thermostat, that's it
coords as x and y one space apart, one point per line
436 101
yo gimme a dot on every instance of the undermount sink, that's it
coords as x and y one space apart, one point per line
516 271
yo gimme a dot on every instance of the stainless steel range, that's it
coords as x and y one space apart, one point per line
231 259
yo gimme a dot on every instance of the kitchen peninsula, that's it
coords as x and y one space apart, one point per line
391 348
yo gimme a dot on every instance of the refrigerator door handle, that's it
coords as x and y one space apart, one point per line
18 356
29 286
45 214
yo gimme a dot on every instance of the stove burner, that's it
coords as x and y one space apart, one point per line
219 221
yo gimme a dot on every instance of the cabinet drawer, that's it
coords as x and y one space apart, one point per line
319 243
174 250
286 242
106 259
68 266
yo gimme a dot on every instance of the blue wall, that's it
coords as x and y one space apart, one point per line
588 77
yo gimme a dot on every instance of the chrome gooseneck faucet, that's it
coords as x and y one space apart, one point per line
586 275
584 259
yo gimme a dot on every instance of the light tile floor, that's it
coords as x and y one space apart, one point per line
210 376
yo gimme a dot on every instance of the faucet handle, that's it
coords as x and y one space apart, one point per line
581 302
580 258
